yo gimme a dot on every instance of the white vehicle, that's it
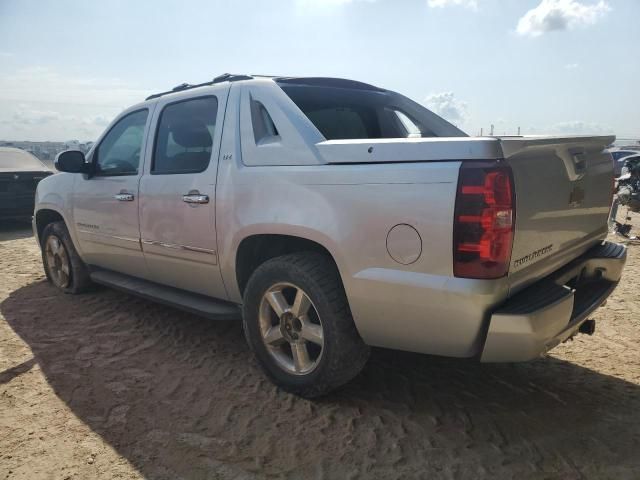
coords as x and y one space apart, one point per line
337 216
620 155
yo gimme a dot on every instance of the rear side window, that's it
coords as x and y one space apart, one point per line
263 126
184 139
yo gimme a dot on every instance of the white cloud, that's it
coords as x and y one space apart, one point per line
25 120
573 127
473 4
448 107
321 4
571 66
43 84
40 103
555 15
579 127
98 120
26 116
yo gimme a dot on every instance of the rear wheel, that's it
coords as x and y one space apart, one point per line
298 324
62 264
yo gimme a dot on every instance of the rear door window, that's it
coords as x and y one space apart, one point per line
184 139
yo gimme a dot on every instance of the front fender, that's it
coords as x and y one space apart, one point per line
55 193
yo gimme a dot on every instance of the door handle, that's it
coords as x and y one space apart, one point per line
124 197
195 197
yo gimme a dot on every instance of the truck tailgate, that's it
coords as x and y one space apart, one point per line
563 191
563 188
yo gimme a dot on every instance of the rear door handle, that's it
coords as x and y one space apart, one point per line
195 197
124 197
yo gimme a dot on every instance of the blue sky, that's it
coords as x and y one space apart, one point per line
549 66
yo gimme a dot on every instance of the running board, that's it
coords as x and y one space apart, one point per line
174 297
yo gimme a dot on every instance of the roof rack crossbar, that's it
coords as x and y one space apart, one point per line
225 77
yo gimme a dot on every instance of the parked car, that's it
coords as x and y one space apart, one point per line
308 207
20 173
619 157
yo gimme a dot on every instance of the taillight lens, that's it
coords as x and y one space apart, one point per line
484 221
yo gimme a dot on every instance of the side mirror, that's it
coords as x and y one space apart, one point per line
71 161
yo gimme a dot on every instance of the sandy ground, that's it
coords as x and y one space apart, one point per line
106 385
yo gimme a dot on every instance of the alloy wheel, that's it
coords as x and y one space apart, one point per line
291 328
57 262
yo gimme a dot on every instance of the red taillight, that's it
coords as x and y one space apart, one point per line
484 221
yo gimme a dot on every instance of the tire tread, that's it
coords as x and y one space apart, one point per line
350 353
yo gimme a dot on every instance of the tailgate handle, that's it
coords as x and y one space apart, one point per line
575 162
579 160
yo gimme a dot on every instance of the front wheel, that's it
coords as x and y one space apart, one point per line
62 264
298 324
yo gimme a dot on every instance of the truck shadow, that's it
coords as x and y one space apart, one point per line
181 397
14 229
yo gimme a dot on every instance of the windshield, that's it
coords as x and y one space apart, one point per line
359 113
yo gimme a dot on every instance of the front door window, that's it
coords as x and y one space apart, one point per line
119 151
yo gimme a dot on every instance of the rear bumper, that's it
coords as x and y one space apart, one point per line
550 311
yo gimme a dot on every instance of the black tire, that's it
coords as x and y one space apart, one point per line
78 280
343 353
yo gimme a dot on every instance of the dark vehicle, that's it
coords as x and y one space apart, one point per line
20 173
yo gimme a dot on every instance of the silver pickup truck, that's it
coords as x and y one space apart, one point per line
331 216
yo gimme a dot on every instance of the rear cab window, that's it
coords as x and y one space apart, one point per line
345 110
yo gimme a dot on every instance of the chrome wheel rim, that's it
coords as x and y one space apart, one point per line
291 328
57 262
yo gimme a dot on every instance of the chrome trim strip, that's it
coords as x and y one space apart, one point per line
179 247
105 235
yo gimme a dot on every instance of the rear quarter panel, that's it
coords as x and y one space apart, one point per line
349 209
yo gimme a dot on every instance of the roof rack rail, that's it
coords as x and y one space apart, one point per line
225 77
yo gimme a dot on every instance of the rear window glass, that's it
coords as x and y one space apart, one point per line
14 158
344 113
338 122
